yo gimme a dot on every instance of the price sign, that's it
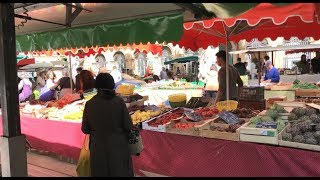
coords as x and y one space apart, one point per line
228 117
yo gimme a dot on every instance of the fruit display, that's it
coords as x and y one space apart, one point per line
131 98
308 100
178 85
306 130
141 116
167 118
74 116
270 120
183 125
245 113
125 89
207 112
197 102
215 126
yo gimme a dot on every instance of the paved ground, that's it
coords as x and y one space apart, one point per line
45 166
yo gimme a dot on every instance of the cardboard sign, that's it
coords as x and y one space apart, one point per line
228 117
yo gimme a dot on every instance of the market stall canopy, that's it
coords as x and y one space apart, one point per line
42 65
24 62
262 21
146 30
183 60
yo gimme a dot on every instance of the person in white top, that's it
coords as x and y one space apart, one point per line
116 74
212 84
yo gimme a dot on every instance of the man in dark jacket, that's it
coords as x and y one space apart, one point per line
79 69
241 67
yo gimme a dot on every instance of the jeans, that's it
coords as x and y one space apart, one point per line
212 94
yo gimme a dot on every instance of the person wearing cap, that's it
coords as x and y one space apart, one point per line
107 120
272 75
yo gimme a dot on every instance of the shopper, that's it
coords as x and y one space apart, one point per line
78 86
234 79
107 120
116 74
163 74
241 67
41 80
212 84
272 75
46 93
86 81
169 74
25 86
303 65
64 84
315 63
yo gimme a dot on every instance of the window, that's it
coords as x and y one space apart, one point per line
140 64
120 61
166 55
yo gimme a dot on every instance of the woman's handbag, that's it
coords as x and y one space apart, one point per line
83 166
135 142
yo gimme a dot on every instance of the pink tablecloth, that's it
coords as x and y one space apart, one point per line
176 155
62 138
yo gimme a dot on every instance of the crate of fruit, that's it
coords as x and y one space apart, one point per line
192 121
160 123
218 129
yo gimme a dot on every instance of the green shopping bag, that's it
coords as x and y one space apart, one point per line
83 166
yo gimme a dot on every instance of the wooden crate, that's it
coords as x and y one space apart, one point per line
295 144
194 131
258 135
270 101
283 116
308 92
289 105
205 131
140 102
281 88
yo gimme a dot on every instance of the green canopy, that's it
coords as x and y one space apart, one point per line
182 60
164 28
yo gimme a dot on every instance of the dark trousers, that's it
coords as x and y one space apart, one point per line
212 94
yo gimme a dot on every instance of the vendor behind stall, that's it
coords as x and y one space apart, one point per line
234 79
64 84
25 86
272 75
46 94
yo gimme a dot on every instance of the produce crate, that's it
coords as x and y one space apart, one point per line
282 87
270 101
160 128
252 93
140 102
258 135
307 92
283 116
253 104
289 105
315 100
196 102
295 144
194 131
205 131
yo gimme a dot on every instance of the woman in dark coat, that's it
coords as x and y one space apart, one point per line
108 122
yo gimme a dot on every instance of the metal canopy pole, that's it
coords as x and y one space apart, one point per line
12 144
227 68
70 73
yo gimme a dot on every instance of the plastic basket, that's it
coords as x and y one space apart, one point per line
125 89
228 105
201 84
178 104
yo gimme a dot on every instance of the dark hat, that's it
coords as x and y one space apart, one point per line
104 81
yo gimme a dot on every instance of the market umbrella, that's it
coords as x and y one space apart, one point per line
264 20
